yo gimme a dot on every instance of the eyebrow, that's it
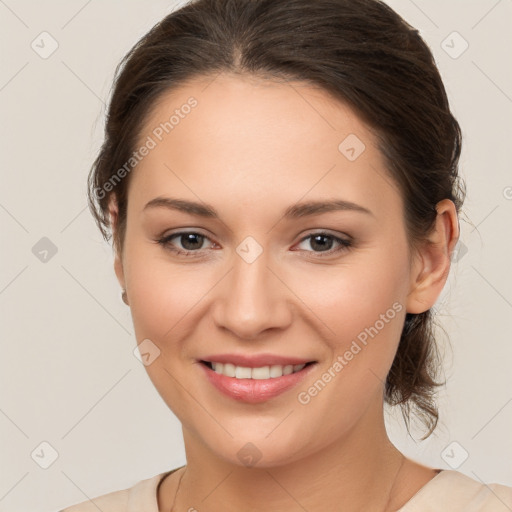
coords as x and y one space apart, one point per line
292 212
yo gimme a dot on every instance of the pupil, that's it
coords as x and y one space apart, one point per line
321 246
192 241
188 241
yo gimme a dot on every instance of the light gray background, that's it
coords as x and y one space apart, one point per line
68 373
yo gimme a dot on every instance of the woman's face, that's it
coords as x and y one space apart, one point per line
266 278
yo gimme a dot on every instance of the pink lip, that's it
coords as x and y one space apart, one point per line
254 390
255 361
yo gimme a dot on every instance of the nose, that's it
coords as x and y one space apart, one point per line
252 300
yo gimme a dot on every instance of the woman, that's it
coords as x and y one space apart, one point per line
280 178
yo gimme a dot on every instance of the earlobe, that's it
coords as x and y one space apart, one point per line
432 261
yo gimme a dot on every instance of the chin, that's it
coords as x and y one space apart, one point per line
256 448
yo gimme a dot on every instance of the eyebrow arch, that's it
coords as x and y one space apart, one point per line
292 212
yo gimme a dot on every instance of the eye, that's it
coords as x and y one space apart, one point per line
323 243
190 242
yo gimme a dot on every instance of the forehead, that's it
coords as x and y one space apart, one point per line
253 110
236 137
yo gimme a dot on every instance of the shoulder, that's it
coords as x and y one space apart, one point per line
454 491
116 501
141 496
492 497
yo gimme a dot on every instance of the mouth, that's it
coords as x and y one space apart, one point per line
257 373
254 384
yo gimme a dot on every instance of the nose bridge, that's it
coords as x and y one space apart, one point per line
252 299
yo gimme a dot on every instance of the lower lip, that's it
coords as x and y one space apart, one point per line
255 390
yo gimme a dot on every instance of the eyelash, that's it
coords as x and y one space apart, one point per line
165 242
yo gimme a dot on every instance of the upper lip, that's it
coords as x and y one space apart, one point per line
255 361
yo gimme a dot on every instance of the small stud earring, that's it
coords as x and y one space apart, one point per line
124 297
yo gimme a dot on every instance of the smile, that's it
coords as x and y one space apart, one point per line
259 373
254 384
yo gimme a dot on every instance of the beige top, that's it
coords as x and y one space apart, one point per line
448 491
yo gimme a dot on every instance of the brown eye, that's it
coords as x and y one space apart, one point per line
188 242
324 242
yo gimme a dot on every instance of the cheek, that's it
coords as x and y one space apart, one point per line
159 293
347 297
364 308
352 296
161 304
362 303
161 296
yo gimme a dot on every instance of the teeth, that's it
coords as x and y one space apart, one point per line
276 371
263 372
288 369
241 372
229 370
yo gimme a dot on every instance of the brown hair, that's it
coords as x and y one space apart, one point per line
360 51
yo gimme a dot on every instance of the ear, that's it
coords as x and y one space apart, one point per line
431 265
118 263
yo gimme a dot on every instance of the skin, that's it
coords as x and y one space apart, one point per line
251 148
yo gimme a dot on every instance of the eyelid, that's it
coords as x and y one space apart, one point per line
165 240
327 232
344 244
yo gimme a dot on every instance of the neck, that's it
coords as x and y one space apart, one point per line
360 470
